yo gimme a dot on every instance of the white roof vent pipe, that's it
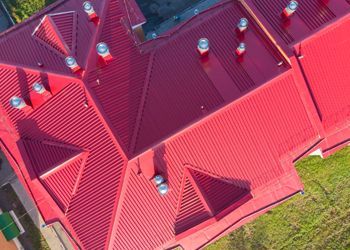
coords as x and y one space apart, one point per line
17 102
158 179
40 89
163 189
89 9
290 9
203 46
242 24
162 186
103 51
71 63
241 49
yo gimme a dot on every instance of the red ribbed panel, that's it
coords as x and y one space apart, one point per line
91 208
61 183
240 145
19 47
180 90
312 14
192 211
47 33
315 13
146 219
121 82
45 155
66 25
220 193
326 64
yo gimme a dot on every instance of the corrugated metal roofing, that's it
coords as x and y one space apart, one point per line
212 124
255 133
48 35
310 16
20 48
62 183
104 164
329 79
192 207
47 155
181 87
119 85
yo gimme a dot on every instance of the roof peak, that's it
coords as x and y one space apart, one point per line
57 32
204 196
59 168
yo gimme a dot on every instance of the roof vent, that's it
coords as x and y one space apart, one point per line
89 9
241 49
38 88
154 35
290 9
203 46
103 51
158 179
71 62
163 189
162 186
242 24
17 102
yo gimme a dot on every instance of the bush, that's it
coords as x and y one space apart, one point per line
23 9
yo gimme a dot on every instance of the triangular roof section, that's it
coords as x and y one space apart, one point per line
46 156
62 183
58 32
204 196
192 209
58 166
220 193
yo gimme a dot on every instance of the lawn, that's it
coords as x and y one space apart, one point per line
32 239
23 9
319 219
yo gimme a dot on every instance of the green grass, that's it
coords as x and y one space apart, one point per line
32 236
23 9
320 219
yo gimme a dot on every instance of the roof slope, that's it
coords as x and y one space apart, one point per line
45 156
84 130
118 85
190 87
310 16
317 35
329 79
255 134
223 131
104 164
59 34
63 182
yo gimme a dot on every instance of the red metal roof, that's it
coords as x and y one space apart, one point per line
317 34
224 132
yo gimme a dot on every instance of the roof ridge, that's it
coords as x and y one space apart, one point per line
45 161
219 192
191 204
51 180
48 34
72 29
